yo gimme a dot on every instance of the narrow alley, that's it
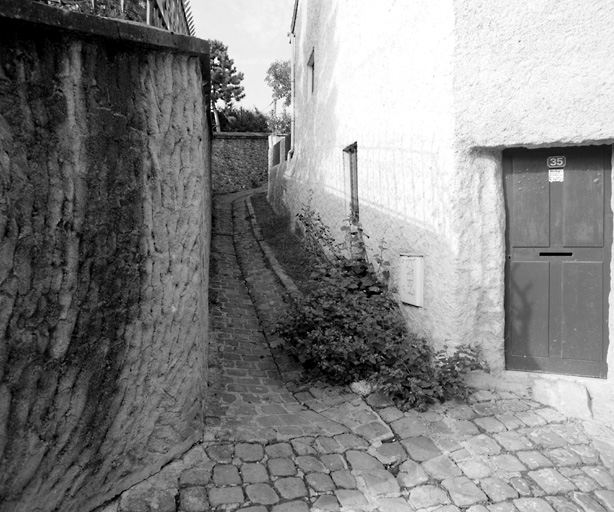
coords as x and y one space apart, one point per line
274 444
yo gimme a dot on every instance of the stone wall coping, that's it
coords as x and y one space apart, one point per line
86 25
240 135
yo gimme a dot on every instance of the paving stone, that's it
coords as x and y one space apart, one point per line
551 481
489 424
303 446
226 474
463 491
462 412
563 457
550 415
531 419
504 506
584 483
600 475
439 427
290 487
279 450
281 467
374 431
394 505
606 452
320 482
497 490
546 438
586 502
421 448
486 409
254 473
534 459
390 414
427 496
378 482
474 469
508 462
309 464
483 445
262 494
409 426
532 505
606 498
441 468
460 455
411 474
291 506
477 508
225 496
362 461
521 486
447 444
197 476
587 453
220 453
325 444
351 499
561 504
511 421
464 428
257 508
333 462
483 395
344 479
193 499
448 508
248 452
326 503
349 441
389 453
513 441
572 433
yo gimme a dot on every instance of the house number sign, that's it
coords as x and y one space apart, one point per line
556 168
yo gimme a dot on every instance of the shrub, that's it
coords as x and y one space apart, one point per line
348 328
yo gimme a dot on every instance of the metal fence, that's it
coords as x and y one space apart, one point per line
172 15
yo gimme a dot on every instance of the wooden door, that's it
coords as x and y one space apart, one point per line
559 238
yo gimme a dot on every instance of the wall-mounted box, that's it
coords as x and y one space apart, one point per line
411 279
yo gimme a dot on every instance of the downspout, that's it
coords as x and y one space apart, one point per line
292 81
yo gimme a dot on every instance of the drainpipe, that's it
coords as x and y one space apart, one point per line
293 89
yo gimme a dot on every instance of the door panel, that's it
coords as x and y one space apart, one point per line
559 237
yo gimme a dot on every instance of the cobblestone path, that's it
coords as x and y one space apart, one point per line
273 444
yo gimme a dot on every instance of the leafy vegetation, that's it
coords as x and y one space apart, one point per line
348 328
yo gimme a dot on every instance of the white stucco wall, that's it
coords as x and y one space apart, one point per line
432 92
527 74
384 80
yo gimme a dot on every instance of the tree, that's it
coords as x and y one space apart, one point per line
226 81
278 79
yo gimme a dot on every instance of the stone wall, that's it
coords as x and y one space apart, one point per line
104 244
238 161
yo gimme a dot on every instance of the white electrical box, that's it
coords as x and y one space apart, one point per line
411 279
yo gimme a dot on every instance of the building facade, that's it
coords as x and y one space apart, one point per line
474 140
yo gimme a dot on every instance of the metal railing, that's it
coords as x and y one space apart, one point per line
172 15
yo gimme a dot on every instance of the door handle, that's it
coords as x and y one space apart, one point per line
556 253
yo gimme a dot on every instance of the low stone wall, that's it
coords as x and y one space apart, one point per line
238 161
104 248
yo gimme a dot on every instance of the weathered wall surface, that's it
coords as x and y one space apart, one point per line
432 92
529 75
400 116
238 161
104 229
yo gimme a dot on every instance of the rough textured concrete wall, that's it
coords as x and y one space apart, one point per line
103 264
238 161
526 74
400 116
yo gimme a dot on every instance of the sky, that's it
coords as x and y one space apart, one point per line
256 33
